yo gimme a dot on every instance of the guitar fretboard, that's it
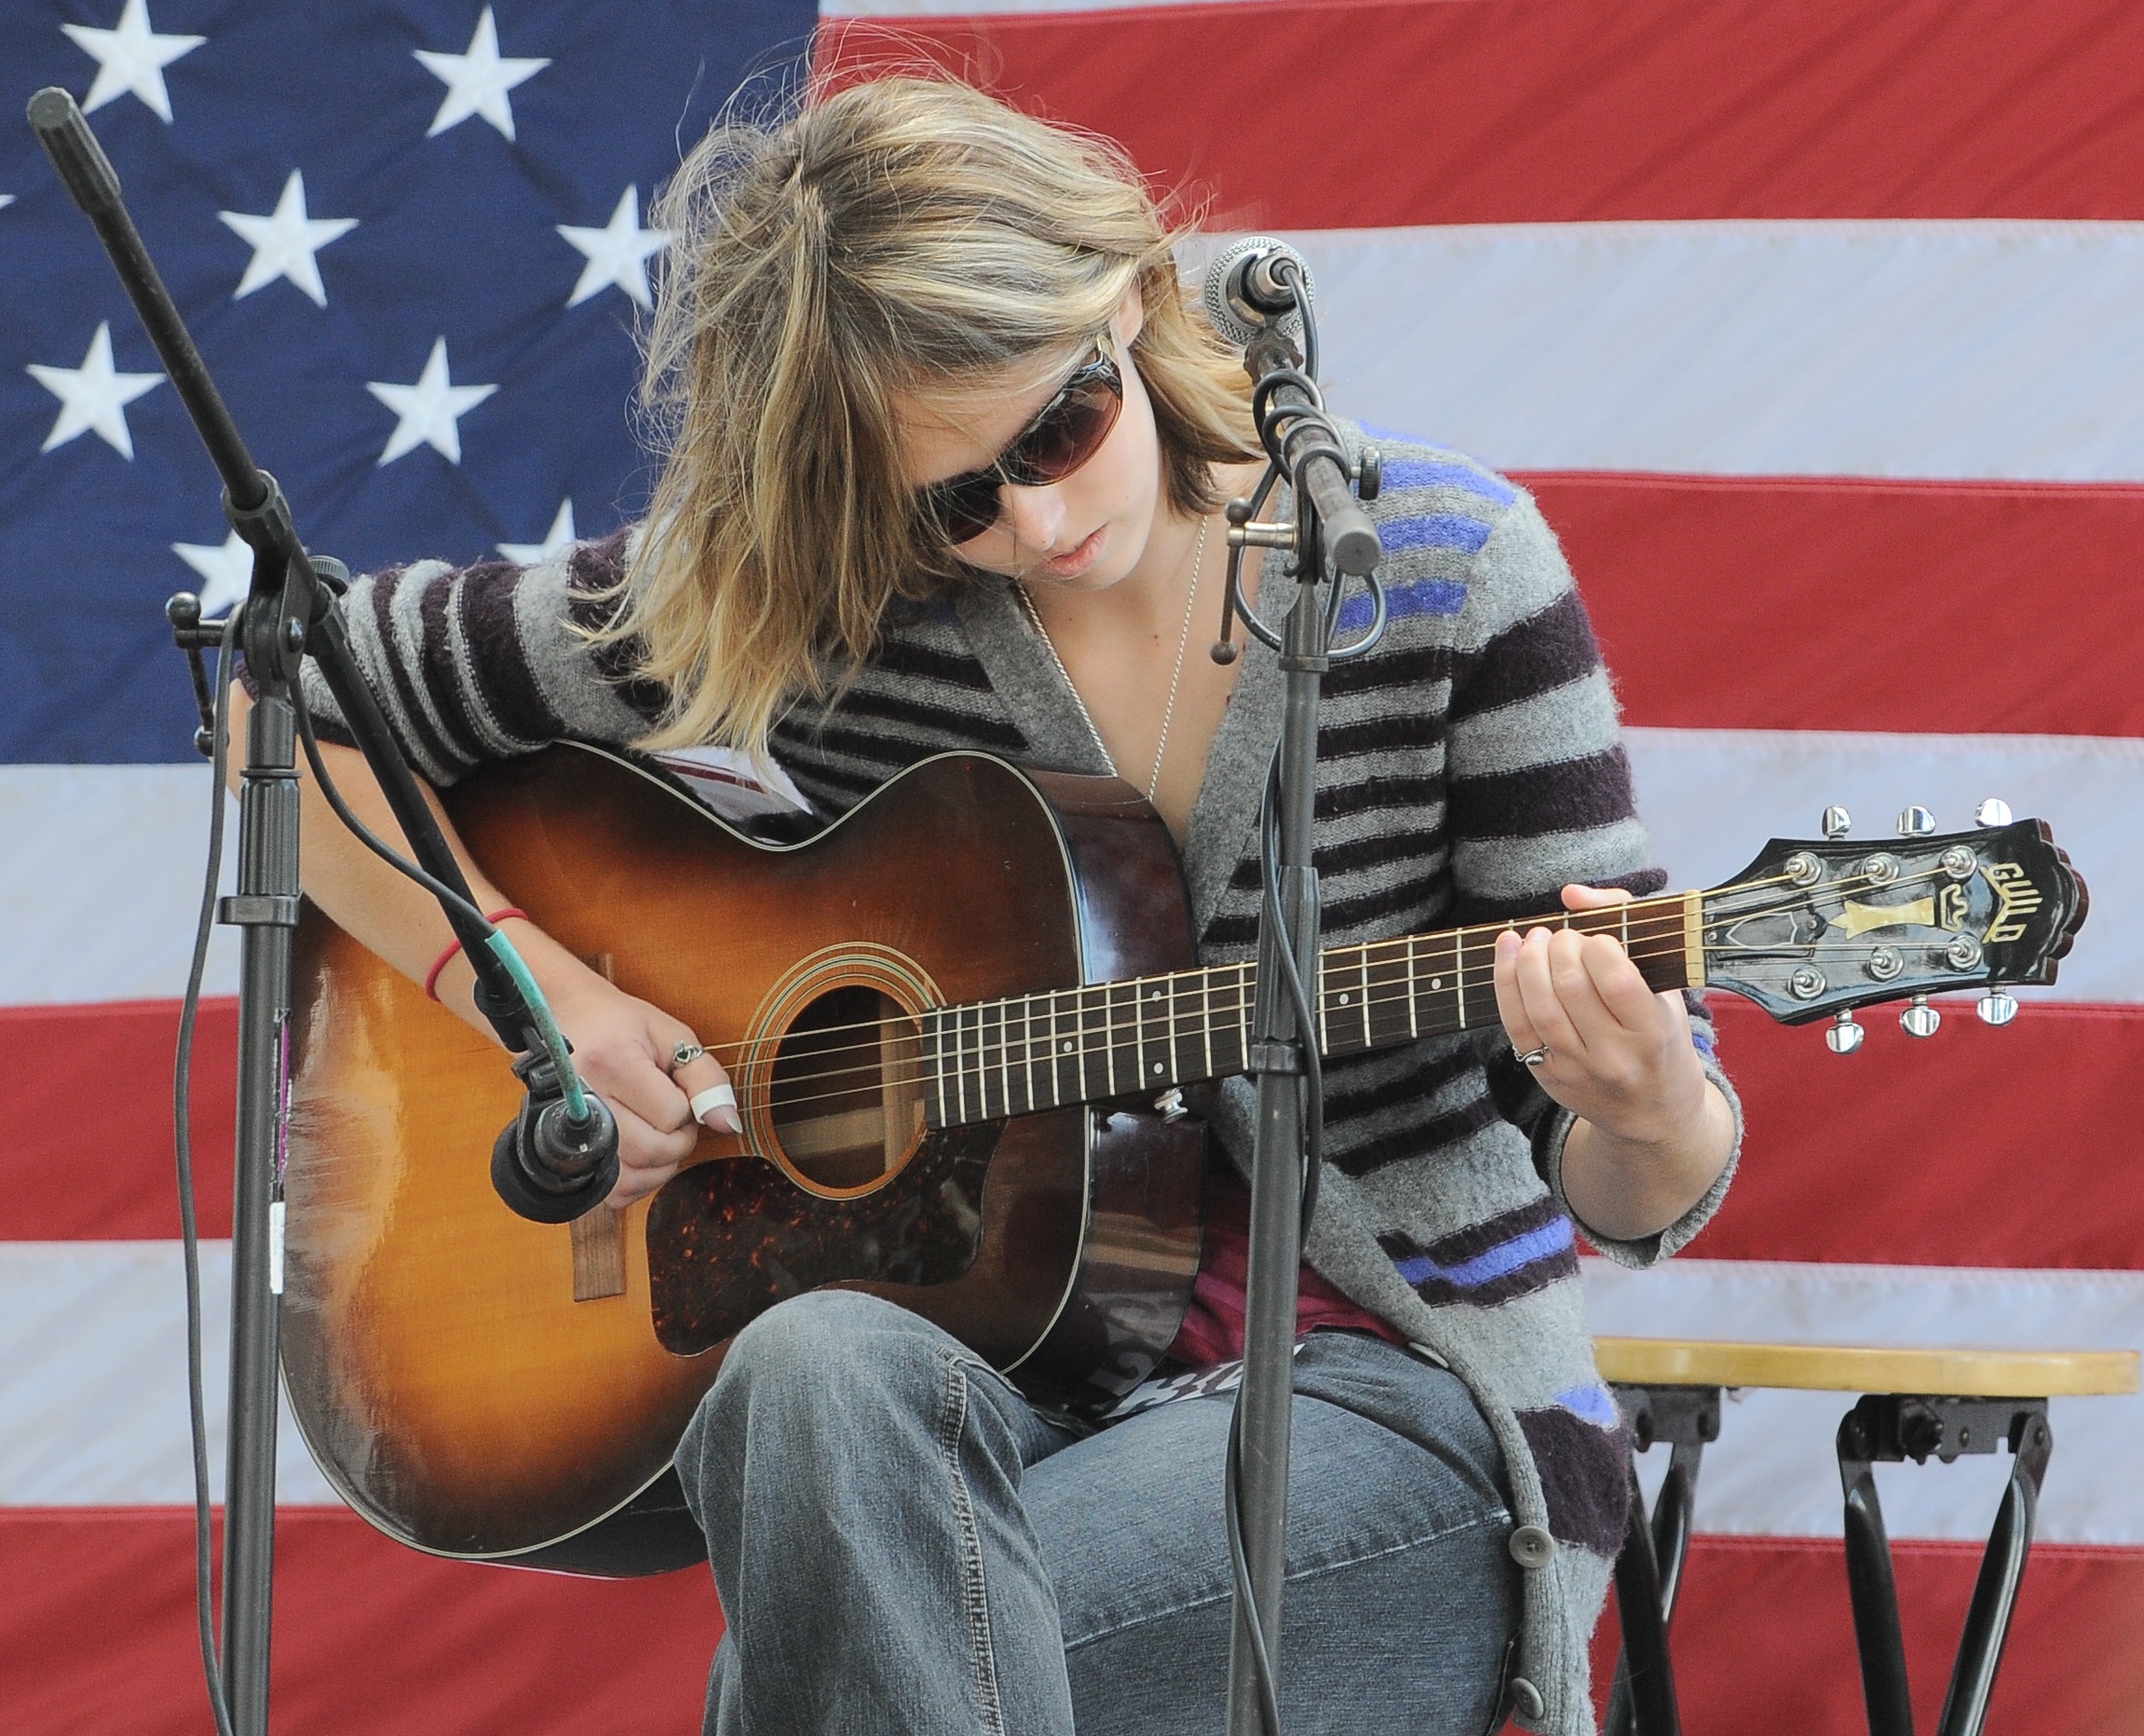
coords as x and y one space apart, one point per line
1141 1036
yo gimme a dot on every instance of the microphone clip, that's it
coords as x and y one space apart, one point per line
548 1167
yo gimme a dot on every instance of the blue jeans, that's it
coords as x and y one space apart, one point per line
901 1543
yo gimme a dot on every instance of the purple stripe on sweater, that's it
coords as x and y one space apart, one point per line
1424 596
1435 530
1508 1256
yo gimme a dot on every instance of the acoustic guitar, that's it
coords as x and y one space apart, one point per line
957 1021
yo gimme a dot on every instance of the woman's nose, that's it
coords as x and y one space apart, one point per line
1037 515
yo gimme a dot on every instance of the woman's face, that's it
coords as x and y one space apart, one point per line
1084 533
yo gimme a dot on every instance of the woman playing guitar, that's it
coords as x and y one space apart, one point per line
946 448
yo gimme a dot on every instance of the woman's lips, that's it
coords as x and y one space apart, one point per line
1074 561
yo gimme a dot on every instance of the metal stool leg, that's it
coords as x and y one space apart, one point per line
1648 1571
1869 1581
1891 1427
1995 1591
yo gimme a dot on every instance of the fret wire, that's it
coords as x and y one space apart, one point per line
1414 994
1206 1015
1176 1065
1027 1049
961 1051
1005 1053
1369 1037
1056 1043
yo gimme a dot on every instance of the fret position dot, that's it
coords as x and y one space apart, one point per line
1436 981
1067 1050
1157 1069
1343 1000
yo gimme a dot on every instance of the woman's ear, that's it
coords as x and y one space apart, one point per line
1130 318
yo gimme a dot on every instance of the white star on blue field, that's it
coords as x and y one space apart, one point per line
412 243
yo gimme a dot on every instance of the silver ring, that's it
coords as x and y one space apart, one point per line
684 1053
1534 1057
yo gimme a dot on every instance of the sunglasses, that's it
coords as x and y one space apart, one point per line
1069 430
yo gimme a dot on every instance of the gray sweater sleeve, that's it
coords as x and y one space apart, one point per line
483 662
1542 797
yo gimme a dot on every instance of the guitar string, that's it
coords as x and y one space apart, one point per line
1666 918
1016 1043
996 1047
1665 913
1012 1048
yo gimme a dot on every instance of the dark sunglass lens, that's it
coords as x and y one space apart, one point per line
1065 438
967 508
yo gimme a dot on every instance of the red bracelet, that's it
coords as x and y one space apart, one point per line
455 945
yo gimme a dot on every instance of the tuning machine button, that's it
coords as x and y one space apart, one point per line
1994 811
1837 822
1997 1008
1920 1019
1844 1035
1915 822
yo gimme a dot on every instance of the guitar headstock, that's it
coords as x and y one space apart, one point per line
1819 926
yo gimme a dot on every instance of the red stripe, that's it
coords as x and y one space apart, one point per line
1754 603
1974 1147
98 1630
1763 1636
1890 1156
1346 115
87 1099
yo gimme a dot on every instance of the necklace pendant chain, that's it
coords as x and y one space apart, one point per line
1176 675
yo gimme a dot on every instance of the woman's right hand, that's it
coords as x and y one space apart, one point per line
624 1049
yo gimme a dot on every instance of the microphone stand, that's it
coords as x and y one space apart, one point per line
1330 525
291 613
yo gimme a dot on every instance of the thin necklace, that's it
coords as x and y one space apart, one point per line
1176 675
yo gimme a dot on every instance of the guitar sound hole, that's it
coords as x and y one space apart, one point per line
844 1095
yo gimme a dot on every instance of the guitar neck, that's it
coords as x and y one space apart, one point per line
985 1060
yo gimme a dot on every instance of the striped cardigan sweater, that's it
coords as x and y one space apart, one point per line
1467 768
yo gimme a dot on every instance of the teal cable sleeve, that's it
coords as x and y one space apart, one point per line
547 1027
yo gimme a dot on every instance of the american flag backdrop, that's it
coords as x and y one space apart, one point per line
1817 327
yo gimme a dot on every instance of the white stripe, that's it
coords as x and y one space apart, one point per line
100 860
93 1408
1774 1472
988 8
94 1413
1895 348
1711 797
103 866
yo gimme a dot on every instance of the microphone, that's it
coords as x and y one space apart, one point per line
1251 292
548 1167
1244 294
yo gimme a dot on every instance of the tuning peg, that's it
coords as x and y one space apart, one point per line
1844 1036
1920 1019
1997 1008
1994 811
1916 823
1837 822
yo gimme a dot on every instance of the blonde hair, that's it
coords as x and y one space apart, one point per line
888 238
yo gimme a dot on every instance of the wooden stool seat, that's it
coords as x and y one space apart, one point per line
1858 1368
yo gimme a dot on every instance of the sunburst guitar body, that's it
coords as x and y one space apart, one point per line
957 1021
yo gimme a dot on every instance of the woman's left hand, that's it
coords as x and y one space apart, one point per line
1652 1133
